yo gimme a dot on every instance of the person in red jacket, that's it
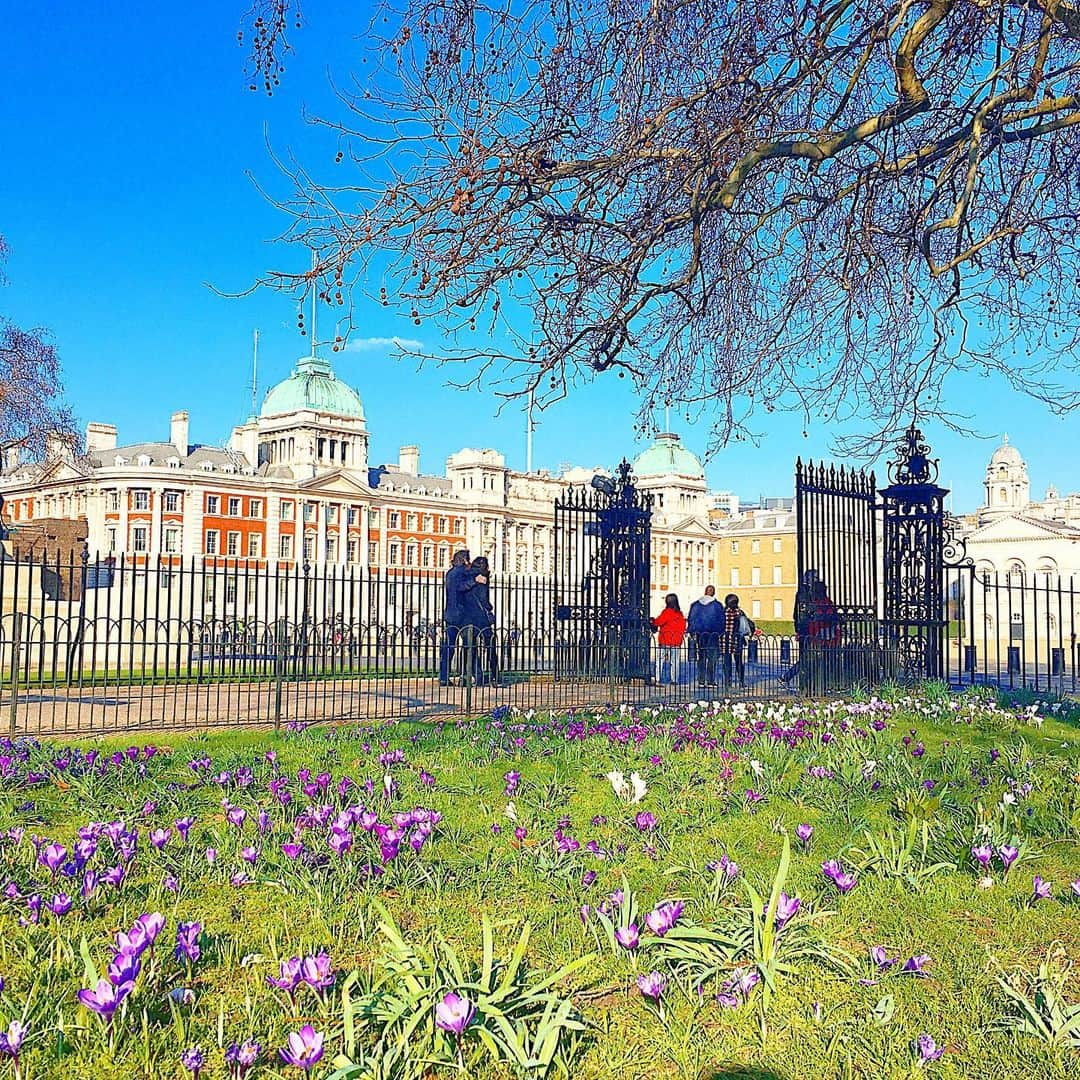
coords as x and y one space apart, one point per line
670 625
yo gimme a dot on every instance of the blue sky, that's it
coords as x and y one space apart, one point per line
128 133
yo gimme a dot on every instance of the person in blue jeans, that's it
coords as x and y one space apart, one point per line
457 583
705 624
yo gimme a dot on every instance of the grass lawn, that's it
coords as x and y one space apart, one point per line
626 894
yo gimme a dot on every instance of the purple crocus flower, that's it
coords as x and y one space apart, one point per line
315 971
105 998
645 821
160 837
628 937
60 904
804 832
513 779
249 854
1040 889
304 1049
11 1041
831 868
652 985
982 854
183 827
786 907
454 1013
927 1049
845 882
187 941
662 918
53 856
289 977
193 1059
124 968
1009 855
915 965
881 958
236 815
292 850
211 856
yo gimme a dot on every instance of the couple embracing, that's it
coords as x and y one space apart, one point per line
469 618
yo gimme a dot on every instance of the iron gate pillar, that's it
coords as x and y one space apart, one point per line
914 540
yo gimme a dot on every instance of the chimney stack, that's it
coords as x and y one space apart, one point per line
409 460
100 437
11 458
179 433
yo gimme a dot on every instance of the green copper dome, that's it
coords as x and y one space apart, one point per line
314 386
667 456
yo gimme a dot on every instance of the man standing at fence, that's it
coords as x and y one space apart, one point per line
705 624
458 581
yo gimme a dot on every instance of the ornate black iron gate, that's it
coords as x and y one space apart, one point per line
841 564
602 539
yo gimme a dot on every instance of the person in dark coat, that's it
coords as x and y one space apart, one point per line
705 624
737 626
458 582
480 617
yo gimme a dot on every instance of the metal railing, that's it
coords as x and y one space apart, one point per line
88 646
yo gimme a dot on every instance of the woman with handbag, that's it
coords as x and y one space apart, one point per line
737 628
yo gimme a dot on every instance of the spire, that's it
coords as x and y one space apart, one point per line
314 364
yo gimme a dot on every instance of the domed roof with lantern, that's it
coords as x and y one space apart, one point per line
1006 454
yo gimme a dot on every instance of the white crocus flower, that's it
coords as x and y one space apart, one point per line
638 787
511 811
756 767
868 768
618 784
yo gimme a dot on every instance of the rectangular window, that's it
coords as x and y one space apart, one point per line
755 575
209 590
256 508
211 541
425 555
778 609
352 551
213 504
230 590
171 541
254 546
442 557
351 518
172 502
410 522
234 507
309 546
410 554
734 547
372 553
373 518
309 511
331 514
331 549
285 510
734 575
285 547
110 535
755 547
394 549
442 526
140 500
139 538
114 500
393 519
777 546
778 575
233 544
755 609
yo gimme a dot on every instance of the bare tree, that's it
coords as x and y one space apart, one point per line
31 405
819 205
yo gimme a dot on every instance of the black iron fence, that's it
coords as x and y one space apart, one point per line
88 646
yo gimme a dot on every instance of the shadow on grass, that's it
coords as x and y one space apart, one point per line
739 1072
